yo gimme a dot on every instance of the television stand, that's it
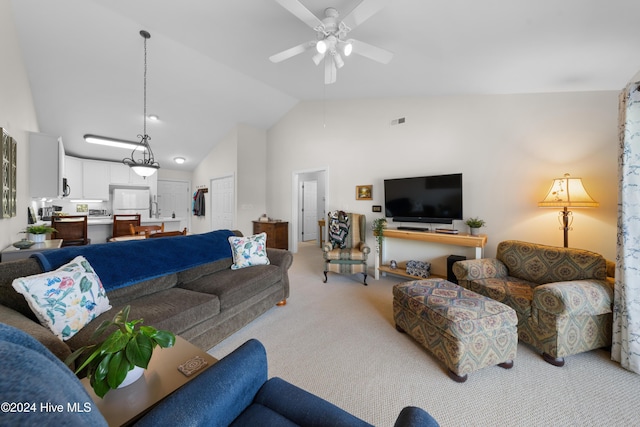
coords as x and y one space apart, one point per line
412 228
462 239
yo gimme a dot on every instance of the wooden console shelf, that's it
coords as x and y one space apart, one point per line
401 270
460 239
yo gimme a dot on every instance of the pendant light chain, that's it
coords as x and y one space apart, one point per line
147 166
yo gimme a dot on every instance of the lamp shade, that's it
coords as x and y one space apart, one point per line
568 192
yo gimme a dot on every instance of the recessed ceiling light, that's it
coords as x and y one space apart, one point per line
153 117
179 160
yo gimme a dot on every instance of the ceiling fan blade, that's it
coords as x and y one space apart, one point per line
301 12
329 70
365 10
291 52
371 52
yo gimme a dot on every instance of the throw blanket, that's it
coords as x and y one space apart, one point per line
120 264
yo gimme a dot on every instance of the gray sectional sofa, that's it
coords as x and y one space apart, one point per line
203 303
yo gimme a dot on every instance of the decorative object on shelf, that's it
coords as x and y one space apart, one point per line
419 269
264 218
130 345
393 264
567 192
147 165
378 226
364 192
475 224
38 233
24 244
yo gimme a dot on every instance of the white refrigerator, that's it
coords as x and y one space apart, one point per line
131 201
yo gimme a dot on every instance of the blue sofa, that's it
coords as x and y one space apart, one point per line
233 392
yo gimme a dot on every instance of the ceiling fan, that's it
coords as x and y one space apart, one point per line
331 36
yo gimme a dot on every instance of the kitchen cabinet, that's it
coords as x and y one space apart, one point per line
119 173
73 173
46 165
95 180
90 179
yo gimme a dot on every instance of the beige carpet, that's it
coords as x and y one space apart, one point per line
338 340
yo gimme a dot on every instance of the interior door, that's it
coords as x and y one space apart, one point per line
175 197
222 197
309 210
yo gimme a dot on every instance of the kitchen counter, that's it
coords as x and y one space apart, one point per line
100 228
104 220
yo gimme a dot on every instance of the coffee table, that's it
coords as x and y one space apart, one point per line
123 406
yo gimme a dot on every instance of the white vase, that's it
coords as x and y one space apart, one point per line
37 238
132 376
474 231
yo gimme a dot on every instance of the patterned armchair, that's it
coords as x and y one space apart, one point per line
346 251
562 296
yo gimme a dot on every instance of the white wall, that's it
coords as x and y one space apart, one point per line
17 116
242 154
508 147
251 182
221 161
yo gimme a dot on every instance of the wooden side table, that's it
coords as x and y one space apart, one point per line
277 233
11 253
321 224
124 405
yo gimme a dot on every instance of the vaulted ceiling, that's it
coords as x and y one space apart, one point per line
208 66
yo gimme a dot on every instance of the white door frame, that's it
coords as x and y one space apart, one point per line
295 184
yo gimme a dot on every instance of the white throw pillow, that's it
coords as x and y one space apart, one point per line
66 299
249 251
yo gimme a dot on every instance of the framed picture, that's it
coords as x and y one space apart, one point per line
364 192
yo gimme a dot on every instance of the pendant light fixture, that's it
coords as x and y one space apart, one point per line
145 165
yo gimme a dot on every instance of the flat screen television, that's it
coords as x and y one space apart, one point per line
427 199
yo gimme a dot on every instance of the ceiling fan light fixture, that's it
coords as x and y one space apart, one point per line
347 48
338 59
321 47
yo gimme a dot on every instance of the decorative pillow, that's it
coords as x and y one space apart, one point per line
249 251
66 299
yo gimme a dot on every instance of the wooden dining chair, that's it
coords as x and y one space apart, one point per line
72 229
145 230
167 233
122 223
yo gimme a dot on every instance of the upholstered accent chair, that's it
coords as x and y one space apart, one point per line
346 251
562 296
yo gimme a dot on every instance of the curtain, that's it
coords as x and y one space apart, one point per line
626 310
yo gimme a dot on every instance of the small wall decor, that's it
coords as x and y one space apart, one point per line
364 192
8 173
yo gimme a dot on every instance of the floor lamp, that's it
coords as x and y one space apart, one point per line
567 192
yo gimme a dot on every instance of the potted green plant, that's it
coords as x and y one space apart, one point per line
129 346
38 233
379 224
475 224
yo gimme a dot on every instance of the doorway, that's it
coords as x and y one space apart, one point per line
223 195
174 197
302 223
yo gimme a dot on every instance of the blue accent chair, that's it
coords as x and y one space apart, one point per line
233 392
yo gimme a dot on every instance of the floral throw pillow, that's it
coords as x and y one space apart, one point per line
66 299
249 251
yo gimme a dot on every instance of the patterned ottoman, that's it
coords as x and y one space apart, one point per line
465 330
